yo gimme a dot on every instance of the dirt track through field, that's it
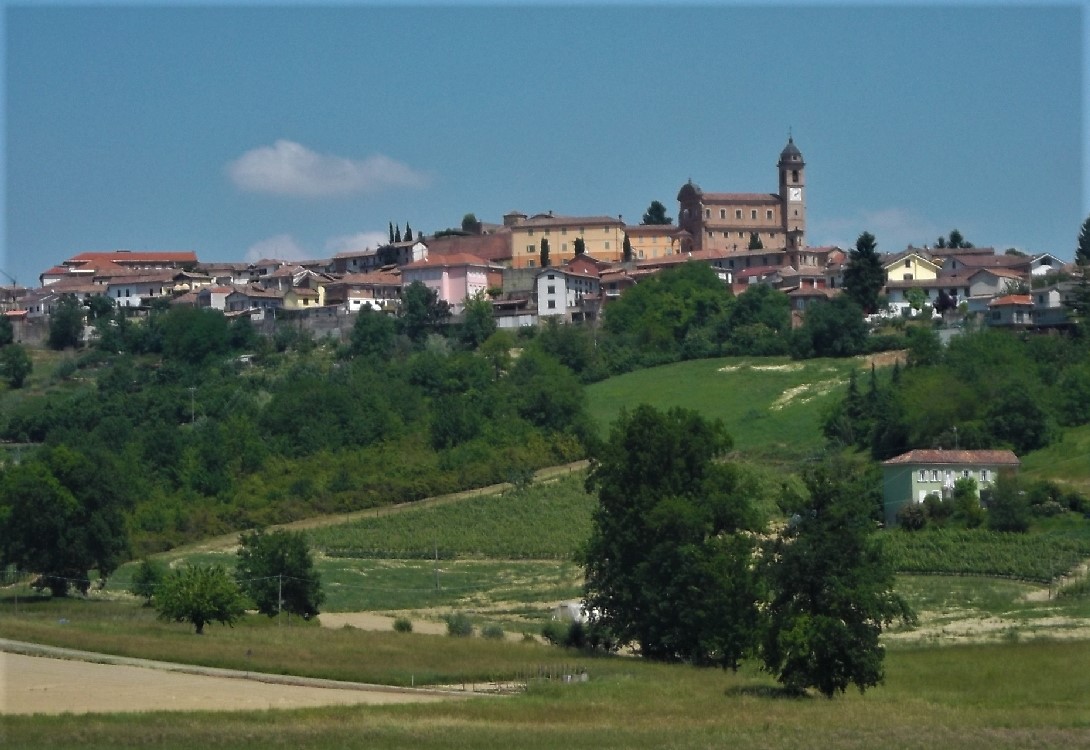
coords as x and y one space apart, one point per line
47 685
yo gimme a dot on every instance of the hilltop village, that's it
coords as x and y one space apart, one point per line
532 268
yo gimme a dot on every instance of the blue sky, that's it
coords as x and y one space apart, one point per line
298 131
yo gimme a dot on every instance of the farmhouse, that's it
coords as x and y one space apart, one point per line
910 477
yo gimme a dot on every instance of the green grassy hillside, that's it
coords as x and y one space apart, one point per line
772 406
1067 460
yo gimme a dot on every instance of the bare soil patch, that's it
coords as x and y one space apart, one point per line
44 685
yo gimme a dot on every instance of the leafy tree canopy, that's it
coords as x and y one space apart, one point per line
831 588
15 365
666 565
66 323
200 594
62 514
276 570
831 329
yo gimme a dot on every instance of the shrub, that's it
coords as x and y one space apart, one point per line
403 625
554 632
912 517
1047 509
459 625
492 632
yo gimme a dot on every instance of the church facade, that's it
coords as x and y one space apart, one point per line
730 222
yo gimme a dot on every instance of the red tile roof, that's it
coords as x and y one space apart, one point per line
1012 299
134 256
741 198
447 260
960 457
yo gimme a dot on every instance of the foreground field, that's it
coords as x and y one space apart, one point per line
1000 696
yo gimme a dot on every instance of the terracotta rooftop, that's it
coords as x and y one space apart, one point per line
1012 299
135 256
741 198
447 260
940 456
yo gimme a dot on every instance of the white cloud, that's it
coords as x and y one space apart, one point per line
359 241
278 247
289 168
894 228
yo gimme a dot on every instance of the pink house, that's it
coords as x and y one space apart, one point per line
454 277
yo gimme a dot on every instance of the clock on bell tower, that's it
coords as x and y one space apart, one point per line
793 194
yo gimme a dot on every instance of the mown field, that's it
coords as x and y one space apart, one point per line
771 406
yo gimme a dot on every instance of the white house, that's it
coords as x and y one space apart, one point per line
133 291
573 294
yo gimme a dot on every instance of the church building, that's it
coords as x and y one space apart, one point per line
728 222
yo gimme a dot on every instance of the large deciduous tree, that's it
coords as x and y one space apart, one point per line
830 329
422 312
62 515
478 320
372 334
200 594
864 276
830 586
667 567
276 570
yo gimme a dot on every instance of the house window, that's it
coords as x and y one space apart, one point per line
722 213
529 264
552 304
738 213
530 232
607 244
923 475
529 248
753 214
551 289
564 230
768 214
934 475
707 213
551 277
983 475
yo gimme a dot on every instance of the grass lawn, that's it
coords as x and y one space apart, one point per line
1066 461
771 406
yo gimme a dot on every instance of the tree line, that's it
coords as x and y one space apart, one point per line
161 431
